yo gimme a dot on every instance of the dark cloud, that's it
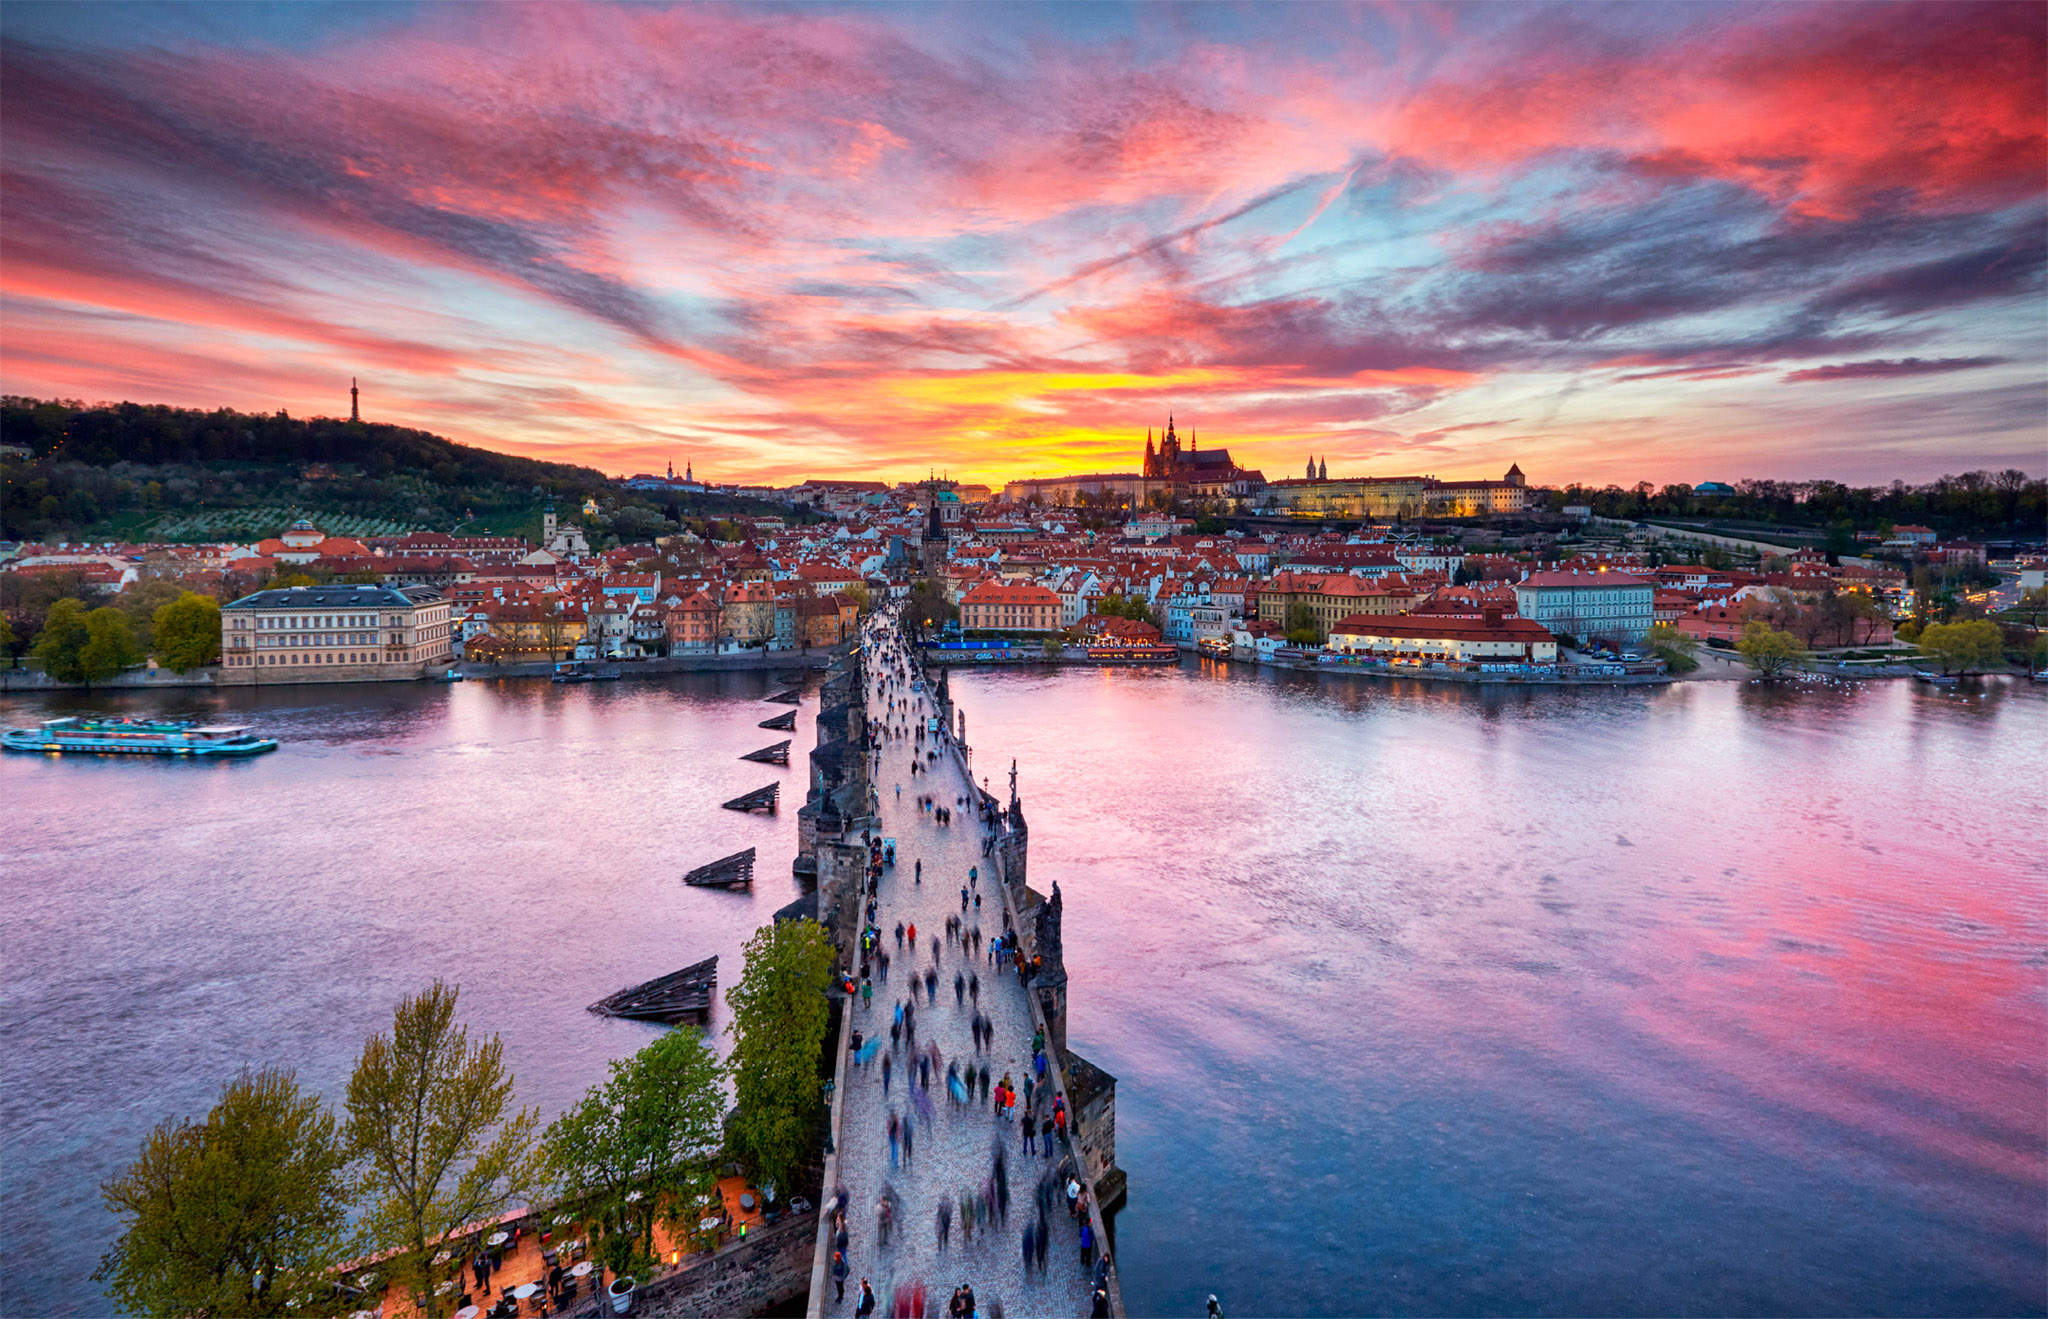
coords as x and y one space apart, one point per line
2006 269
1880 368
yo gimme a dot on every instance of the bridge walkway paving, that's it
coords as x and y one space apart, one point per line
954 1149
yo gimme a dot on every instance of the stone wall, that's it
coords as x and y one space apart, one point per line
35 680
1093 1093
769 1267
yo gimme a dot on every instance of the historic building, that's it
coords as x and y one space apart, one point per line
1613 605
1169 472
335 634
1318 495
1191 473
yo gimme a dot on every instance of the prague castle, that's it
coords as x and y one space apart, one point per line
1172 473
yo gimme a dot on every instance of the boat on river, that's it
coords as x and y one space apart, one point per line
1935 679
137 737
578 671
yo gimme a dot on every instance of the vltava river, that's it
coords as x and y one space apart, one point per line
1694 1000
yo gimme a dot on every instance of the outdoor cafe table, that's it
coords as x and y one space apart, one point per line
525 1289
497 1238
581 1270
467 1312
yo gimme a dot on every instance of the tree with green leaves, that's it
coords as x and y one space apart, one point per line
428 1118
1679 650
140 600
7 640
110 645
64 636
1976 644
1768 650
1301 626
653 1127
188 632
779 1018
243 1214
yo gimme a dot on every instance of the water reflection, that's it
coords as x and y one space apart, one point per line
1424 999
1441 1001
164 924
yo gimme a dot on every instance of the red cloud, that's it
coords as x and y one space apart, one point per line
1831 111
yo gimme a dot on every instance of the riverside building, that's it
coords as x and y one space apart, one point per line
335 634
1592 604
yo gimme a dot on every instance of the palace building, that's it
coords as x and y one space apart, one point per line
1173 472
1169 471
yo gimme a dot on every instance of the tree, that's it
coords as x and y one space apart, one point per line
140 601
927 606
110 645
188 631
653 1127
860 595
1679 650
1976 644
427 1116
64 636
779 1019
242 1214
554 632
1301 626
7 640
1769 651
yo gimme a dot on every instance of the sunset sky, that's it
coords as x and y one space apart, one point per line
1611 243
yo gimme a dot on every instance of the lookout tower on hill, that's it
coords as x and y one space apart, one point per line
354 413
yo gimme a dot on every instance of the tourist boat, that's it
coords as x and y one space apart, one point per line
1157 652
1938 679
114 737
1214 647
577 671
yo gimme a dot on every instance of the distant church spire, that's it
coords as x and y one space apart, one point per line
354 413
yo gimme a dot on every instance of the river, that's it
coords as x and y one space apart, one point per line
1427 1000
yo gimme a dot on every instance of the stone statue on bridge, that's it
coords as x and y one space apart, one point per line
1048 934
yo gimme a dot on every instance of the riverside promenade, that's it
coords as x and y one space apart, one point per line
955 1147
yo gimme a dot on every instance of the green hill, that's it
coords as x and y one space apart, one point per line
134 471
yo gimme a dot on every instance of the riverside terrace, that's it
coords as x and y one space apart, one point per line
528 1246
954 1145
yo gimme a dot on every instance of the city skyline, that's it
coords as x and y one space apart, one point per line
1665 243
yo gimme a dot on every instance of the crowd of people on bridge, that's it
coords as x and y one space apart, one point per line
1030 1105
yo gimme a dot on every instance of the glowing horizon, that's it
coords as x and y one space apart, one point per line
1608 244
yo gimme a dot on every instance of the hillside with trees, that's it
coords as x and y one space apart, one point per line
135 471
1975 505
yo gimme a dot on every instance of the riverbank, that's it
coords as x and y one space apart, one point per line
148 679
1564 676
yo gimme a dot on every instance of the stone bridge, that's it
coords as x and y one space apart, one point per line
867 745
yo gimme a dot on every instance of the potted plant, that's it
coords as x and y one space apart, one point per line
621 1292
